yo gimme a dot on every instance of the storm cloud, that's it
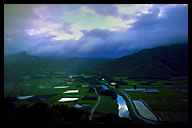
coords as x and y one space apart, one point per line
92 30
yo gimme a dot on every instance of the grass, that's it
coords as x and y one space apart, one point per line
134 118
132 82
167 100
83 91
53 99
21 103
40 86
68 103
168 103
119 78
107 105
26 77
41 75
86 75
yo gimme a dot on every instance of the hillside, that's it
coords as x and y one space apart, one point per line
21 63
161 62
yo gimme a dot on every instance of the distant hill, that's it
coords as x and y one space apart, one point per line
25 62
22 56
18 64
161 62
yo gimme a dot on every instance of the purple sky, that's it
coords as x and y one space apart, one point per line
92 30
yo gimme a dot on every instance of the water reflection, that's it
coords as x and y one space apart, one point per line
24 97
72 91
104 87
61 87
141 89
67 99
122 107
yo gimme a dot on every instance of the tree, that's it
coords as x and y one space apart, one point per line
91 89
117 86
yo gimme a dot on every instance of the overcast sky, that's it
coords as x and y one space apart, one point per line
70 30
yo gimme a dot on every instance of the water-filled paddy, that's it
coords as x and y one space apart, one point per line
141 89
71 91
61 87
67 99
122 107
104 87
24 97
144 111
132 89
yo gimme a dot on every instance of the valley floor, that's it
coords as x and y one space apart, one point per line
167 100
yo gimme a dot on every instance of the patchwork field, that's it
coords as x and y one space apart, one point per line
167 99
49 89
169 104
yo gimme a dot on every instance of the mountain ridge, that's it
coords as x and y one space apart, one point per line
148 63
161 62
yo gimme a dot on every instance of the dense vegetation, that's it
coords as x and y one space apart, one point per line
27 75
161 62
20 64
42 114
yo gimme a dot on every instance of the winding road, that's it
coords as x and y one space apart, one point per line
90 117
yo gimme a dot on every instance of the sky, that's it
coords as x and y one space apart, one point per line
92 30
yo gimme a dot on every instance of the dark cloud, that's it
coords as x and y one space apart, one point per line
103 34
172 27
147 21
148 31
105 9
174 17
66 27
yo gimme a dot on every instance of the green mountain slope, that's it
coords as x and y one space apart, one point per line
18 64
161 62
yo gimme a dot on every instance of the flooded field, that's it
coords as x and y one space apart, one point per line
142 89
71 91
61 87
144 111
122 107
24 97
67 99
170 104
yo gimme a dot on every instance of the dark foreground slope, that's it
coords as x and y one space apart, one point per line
161 62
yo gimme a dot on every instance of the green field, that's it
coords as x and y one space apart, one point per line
107 105
170 104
